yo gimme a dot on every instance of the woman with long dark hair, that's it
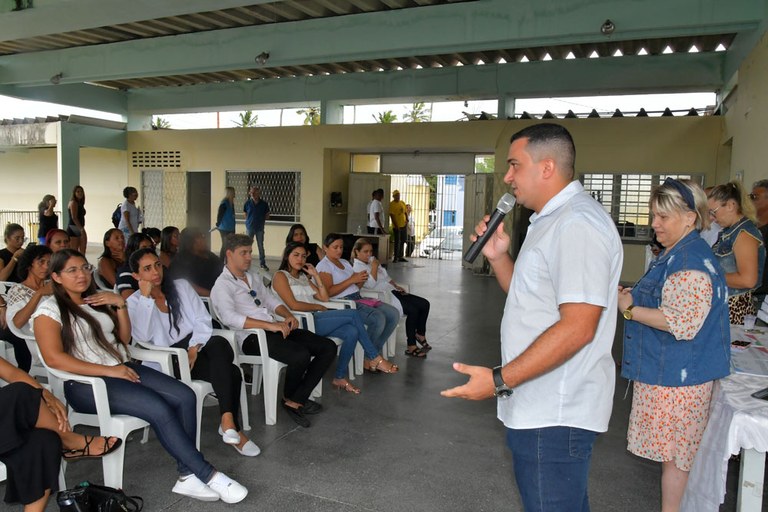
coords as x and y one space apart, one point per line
168 313
87 333
9 256
169 245
341 281
299 286
112 257
78 238
24 297
298 233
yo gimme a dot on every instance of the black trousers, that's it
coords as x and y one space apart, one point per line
214 364
401 236
417 310
20 349
307 355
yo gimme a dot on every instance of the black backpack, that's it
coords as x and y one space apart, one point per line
116 215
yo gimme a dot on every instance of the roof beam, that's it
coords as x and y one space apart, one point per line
56 16
609 75
441 29
76 95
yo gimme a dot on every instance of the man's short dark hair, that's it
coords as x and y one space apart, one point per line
128 191
549 140
236 240
761 184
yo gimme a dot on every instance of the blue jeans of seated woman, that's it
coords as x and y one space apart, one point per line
347 325
167 404
380 321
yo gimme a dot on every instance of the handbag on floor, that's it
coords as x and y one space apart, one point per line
88 497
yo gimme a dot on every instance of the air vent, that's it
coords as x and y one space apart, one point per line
156 159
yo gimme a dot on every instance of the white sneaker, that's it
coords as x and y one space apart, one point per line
194 488
249 449
230 436
228 490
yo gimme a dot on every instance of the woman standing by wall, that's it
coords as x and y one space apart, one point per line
740 248
225 218
78 238
47 218
676 338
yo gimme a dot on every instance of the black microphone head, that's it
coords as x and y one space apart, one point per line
506 203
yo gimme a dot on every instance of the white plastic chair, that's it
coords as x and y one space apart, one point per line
265 370
37 369
201 388
99 281
309 324
119 425
388 298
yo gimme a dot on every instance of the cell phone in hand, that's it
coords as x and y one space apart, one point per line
762 394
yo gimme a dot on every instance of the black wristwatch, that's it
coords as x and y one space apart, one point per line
502 390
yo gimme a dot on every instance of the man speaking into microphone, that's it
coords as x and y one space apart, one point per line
555 385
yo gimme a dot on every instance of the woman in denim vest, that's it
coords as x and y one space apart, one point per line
676 338
739 248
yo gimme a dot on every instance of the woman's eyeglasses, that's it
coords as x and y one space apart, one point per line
713 212
255 300
85 269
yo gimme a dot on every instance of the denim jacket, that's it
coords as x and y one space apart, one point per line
226 221
655 357
723 249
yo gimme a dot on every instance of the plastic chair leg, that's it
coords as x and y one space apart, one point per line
113 468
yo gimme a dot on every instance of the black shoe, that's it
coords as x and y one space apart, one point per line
297 416
264 267
311 407
403 260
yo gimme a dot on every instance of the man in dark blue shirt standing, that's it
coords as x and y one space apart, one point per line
256 214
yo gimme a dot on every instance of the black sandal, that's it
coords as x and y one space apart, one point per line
85 451
417 352
425 346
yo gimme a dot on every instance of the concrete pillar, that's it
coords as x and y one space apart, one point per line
139 122
331 112
68 167
506 106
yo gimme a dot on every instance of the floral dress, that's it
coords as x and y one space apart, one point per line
667 423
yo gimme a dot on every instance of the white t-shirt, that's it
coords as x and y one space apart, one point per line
86 347
300 288
572 254
375 207
133 213
338 275
381 283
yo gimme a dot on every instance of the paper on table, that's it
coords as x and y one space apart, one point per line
752 361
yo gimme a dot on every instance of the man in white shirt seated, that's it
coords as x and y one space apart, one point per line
242 302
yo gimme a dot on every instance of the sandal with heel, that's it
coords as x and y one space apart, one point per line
346 386
376 368
85 451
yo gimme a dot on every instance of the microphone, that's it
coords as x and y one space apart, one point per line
503 207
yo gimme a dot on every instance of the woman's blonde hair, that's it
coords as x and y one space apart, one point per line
736 191
359 244
681 196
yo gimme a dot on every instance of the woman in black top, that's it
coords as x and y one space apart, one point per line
125 283
169 245
14 239
47 218
78 238
195 262
298 233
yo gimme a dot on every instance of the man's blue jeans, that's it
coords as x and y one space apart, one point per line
347 325
552 467
259 243
167 404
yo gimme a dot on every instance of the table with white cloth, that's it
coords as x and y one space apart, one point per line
737 423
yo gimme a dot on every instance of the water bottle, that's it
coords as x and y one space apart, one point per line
359 229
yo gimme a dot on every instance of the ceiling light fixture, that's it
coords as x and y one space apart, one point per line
56 79
262 58
607 28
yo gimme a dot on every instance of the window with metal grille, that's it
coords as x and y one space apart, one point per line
625 197
280 189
